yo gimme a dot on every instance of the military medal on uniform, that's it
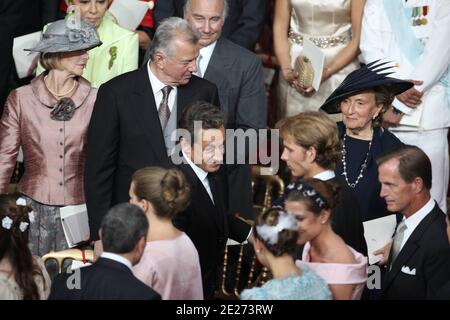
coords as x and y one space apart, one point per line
418 15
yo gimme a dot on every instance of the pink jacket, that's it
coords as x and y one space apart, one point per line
54 151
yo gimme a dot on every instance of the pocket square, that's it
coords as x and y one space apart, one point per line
412 272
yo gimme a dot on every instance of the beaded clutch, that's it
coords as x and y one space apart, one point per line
305 71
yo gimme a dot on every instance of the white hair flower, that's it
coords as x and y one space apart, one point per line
7 223
23 226
32 216
286 221
21 202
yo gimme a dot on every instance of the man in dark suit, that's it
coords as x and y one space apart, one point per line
123 233
242 25
135 115
418 258
238 75
11 12
206 220
311 150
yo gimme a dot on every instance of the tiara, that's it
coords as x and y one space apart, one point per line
308 192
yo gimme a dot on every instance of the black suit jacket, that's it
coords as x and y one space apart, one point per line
11 13
106 279
242 25
208 225
125 135
426 251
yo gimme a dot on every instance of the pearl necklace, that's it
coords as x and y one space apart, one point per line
56 94
344 164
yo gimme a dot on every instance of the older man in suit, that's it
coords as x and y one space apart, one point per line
238 76
418 258
124 233
135 114
206 221
242 26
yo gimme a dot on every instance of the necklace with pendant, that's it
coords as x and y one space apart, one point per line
344 164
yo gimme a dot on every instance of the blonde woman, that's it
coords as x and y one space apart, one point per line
49 119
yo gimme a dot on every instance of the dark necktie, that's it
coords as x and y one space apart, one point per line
212 185
164 111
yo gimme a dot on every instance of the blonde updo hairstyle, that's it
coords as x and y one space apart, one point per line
166 189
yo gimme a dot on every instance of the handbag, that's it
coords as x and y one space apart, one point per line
305 71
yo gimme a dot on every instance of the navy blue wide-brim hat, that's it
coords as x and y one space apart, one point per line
367 77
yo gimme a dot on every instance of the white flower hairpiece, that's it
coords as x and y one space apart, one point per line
286 221
23 226
7 223
31 216
21 202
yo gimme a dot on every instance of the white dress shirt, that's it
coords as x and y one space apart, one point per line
157 87
203 59
201 174
325 175
413 221
117 258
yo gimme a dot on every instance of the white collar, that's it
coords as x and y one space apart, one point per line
199 172
156 84
118 258
208 50
413 220
325 175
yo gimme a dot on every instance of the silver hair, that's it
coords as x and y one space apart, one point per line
169 30
188 5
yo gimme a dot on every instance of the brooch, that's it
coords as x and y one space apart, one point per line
113 56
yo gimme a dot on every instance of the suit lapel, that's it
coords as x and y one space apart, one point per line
411 245
217 65
147 115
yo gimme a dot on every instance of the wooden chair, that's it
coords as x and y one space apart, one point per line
68 255
270 188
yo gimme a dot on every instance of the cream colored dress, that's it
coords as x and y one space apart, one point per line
328 24
9 290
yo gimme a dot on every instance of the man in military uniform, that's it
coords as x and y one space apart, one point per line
414 34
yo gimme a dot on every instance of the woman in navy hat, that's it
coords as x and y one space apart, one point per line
363 97
49 119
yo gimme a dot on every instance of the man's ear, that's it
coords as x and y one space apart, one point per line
141 244
418 185
312 154
100 233
158 59
185 146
